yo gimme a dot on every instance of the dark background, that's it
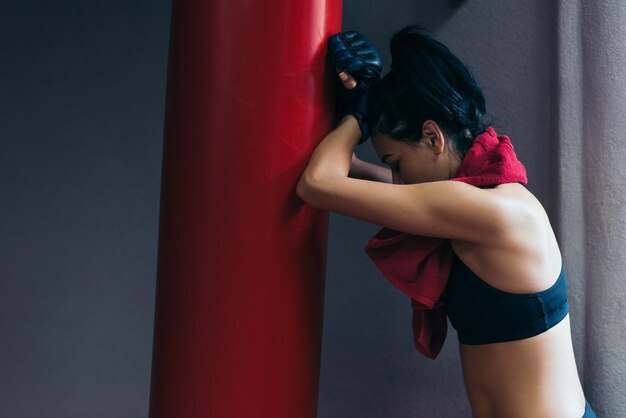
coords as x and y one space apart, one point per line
82 98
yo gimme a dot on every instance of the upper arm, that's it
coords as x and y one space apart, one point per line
444 209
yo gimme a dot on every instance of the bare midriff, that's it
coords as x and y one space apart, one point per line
531 378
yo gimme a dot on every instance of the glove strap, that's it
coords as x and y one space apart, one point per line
363 125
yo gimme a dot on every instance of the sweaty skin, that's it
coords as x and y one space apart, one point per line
531 378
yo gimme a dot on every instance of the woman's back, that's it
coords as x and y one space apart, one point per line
532 377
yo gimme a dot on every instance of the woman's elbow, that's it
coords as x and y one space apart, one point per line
304 187
310 189
301 188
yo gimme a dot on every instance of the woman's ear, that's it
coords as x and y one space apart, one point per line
434 136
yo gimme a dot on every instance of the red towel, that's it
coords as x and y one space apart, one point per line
420 266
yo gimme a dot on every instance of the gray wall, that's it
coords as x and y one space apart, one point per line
82 90
82 99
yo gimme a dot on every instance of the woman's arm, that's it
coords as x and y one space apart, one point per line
445 209
364 170
333 154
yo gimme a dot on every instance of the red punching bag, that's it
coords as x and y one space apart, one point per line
241 259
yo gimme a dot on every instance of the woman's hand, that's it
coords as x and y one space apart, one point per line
353 53
358 66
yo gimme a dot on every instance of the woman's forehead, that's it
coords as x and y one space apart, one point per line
386 144
381 140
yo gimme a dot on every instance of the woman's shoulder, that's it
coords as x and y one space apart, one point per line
528 211
526 257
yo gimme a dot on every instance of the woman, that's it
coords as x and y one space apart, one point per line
424 116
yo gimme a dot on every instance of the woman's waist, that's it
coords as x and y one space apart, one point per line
533 377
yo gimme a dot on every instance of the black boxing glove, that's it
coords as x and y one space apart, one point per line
351 52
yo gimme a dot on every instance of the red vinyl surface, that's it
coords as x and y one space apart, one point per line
241 259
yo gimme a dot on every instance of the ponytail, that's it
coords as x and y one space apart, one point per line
426 81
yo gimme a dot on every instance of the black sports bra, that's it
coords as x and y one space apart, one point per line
482 314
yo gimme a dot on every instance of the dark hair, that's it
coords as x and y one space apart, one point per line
426 81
